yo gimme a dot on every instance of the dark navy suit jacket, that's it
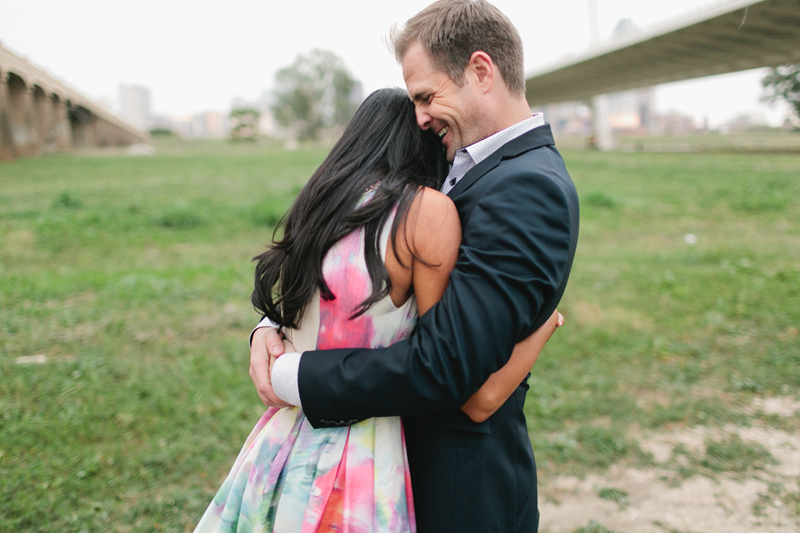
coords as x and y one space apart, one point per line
519 217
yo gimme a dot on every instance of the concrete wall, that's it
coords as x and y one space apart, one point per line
39 114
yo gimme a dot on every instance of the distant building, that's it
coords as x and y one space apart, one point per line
135 105
624 27
675 123
182 125
161 122
215 124
208 124
744 121
631 112
568 119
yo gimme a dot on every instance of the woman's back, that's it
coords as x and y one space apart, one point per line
290 477
327 324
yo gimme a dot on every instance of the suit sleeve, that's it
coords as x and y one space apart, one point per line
515 251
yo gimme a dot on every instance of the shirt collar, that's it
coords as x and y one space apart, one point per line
484 148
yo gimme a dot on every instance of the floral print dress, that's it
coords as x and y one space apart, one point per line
292 478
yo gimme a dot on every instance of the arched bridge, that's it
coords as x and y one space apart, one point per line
38 113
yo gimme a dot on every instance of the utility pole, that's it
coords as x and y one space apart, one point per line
594 25
601 130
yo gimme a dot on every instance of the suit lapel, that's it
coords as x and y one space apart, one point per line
477 172
536 138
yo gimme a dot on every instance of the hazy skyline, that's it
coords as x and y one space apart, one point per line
194 57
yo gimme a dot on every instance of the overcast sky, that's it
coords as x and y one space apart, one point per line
195 56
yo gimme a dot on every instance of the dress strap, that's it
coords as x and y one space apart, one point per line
386 233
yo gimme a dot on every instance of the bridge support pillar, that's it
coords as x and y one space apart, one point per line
20 112
84 127
6 137
602 137
40 112
59 123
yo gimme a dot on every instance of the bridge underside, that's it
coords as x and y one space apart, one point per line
39 114
730 37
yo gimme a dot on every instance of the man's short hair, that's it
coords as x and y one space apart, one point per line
450 31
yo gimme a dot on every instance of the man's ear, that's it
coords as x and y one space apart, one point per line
483 69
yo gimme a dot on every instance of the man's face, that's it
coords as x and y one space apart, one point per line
450 111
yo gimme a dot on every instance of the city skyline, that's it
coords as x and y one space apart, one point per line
195 59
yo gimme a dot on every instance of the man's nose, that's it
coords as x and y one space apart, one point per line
423 119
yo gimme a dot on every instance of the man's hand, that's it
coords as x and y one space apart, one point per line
260 364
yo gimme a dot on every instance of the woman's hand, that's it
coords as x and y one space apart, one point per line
502 384
539 338
288 347
268 344
261 365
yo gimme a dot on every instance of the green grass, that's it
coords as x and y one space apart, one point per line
594 527
757 139
613 495
660 524
778 495
661 332
730 455
133 275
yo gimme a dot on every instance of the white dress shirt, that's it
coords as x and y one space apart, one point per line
286 369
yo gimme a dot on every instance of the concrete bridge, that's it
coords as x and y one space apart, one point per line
725 36
39 114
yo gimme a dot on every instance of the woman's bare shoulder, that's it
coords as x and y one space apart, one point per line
432 207
432 225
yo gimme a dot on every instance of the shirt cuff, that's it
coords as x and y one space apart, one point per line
285 372
265 323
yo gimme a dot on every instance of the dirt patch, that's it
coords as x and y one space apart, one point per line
775 405
658 500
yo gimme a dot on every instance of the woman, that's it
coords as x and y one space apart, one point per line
368 245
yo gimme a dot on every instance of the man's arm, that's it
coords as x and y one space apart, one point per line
502 384
421 259
517 248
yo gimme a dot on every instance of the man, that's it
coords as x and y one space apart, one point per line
462 64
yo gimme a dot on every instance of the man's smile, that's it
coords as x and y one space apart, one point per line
443 132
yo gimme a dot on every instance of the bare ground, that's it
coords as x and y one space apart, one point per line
658 500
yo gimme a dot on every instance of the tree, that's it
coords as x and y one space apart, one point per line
244 124
314 93
783 82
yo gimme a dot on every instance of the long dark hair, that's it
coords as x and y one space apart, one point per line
381 147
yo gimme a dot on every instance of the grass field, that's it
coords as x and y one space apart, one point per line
132 276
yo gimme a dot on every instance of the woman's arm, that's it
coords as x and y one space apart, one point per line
431 230
427 241
500 385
